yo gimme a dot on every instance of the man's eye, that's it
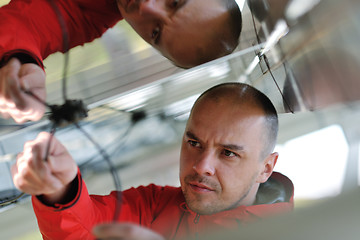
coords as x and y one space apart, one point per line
155 33
193 143
228 153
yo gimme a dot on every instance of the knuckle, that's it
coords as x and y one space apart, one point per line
43 135
20 184
28 145
24 170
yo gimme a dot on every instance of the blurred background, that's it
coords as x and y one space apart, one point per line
303 54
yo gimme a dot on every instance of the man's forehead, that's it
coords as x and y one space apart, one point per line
223 115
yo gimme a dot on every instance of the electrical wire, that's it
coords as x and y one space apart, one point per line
12 200
112 171
120 144
52 133
262 54
277 85
66 46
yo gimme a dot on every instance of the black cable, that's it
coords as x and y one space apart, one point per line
120 140
255 29
52 133
268 65
112 171
12 200
121 143
277 85
28 92
66 47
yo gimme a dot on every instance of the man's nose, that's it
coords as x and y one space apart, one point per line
205 164
152 8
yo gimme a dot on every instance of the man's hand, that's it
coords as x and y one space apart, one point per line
122 231
14 102
51 178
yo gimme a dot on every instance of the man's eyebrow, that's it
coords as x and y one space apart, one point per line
233 147
191 135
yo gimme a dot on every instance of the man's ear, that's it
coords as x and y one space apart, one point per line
267 167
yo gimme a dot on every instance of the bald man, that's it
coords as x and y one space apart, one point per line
226 176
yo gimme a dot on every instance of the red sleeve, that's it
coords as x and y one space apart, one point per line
67 221
76 219
32 26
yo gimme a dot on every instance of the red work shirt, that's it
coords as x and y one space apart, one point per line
32 27
162 209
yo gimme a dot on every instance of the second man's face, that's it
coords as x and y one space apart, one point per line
182 30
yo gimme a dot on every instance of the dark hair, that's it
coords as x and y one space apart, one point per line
235 23
245 93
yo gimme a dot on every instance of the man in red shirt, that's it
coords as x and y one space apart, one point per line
187 32
226 176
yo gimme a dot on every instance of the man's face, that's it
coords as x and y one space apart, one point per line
220 160
180 29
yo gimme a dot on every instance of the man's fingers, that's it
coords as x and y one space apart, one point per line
59 161
29 167
11 88
31 173
126 231
31 77
15 78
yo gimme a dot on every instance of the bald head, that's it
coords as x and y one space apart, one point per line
223 38
242 96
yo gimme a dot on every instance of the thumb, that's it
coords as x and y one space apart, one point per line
32 77
59 160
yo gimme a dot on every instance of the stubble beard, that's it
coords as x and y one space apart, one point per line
196 202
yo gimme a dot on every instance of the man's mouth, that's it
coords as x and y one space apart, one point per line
198 187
